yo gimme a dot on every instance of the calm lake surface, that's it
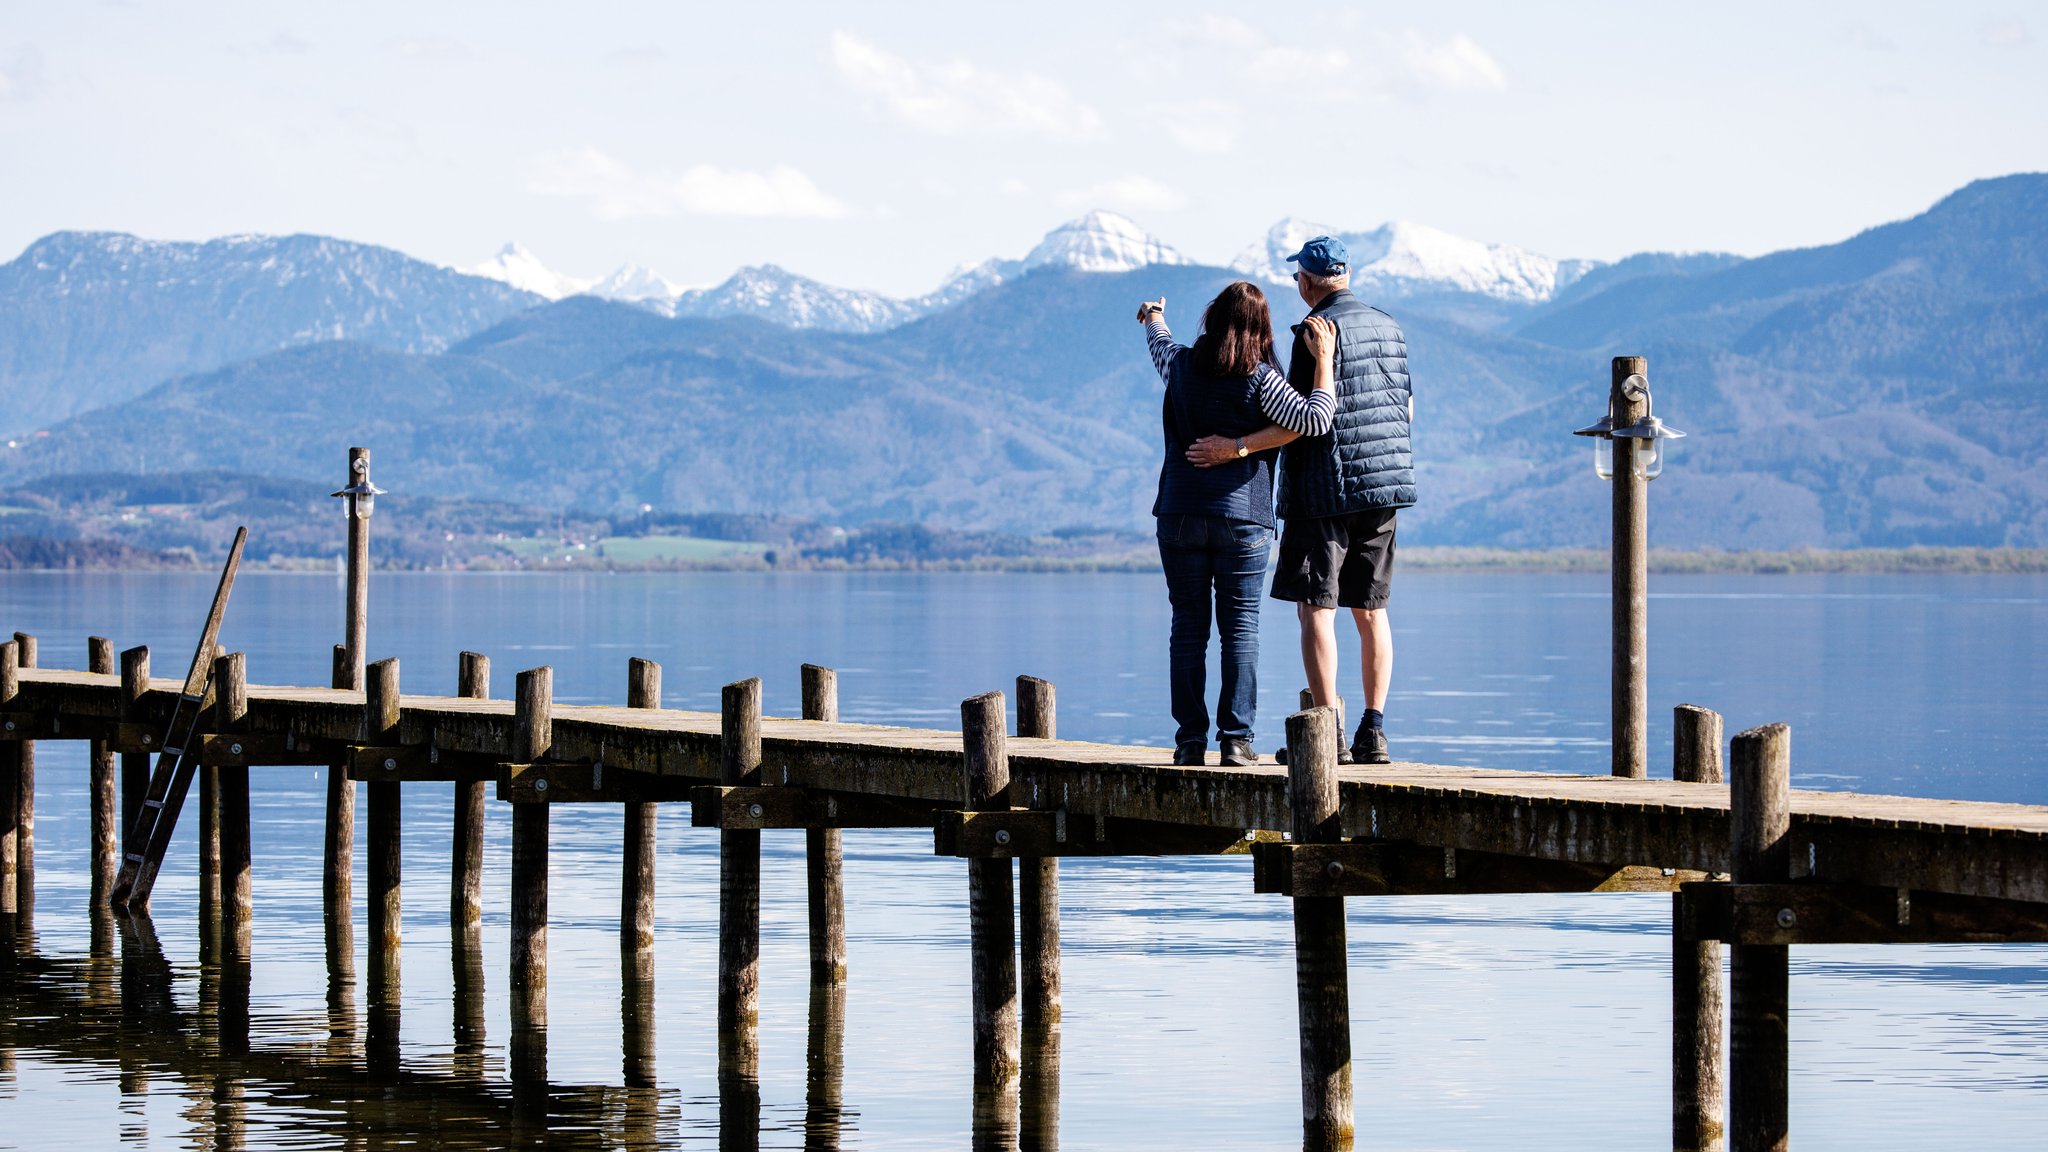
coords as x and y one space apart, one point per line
1478 1022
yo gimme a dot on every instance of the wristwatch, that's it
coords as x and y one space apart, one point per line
1242 451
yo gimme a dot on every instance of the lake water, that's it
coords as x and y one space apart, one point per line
1478 1022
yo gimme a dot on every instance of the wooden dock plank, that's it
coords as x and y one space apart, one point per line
1965 847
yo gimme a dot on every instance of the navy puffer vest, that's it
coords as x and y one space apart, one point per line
1364 460
1197 405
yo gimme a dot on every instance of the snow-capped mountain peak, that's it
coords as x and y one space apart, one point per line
1101 242
520 268
1403 259
633 284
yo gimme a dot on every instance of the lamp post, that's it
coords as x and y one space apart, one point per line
1630 422
361 497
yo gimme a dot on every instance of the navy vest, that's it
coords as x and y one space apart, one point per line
1197 405
1364 460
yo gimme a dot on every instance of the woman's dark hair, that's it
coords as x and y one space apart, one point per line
1237 332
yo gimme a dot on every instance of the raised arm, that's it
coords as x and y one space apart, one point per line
1159 341
1293 414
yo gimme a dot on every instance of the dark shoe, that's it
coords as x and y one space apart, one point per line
1238 753
1190 755
1370 746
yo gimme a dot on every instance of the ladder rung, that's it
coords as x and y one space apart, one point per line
132 858
174 753
152 803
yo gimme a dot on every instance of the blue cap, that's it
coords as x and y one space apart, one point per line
1323 256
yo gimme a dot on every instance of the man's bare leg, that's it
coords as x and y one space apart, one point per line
1375 655
1319 651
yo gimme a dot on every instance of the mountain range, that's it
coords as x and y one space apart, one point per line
1882 391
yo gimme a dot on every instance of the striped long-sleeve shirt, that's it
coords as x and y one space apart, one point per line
1309 415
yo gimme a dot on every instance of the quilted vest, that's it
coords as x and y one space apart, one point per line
1364 460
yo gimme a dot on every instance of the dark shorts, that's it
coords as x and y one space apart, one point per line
1337 561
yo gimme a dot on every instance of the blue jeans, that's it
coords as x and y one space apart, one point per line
1204 557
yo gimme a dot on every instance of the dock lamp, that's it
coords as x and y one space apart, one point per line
1647 435
362 495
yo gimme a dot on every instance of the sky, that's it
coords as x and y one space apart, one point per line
882 145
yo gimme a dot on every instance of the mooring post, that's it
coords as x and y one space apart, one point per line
466 880
380 727
356 613
230 706
1321 986
636 888
1630 601
338 849
823 853
1038 877
106 803
1760 819
25 800
10 793
134 765
991 912
533 734
739 888
1698 1094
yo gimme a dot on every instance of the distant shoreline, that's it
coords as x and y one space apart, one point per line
1849 561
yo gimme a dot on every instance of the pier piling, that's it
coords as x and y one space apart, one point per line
532 737
1320 979
10 790
134 765
380 727
238 906
466 880
106 803
991 912
1629 680
1760 821
636 889
25 801
739 888
338 848
1038 877
1698 1093
823 852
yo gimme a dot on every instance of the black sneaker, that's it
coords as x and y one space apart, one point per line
1343 756
1190 755
1237 752
1369 746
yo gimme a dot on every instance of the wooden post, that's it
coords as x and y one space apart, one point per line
10 794
991 908
533 734
25 799
466 878
106 803
356 615
739 888
823 854
134 765
636 888
1320 981
1038 878
825 1065
1630 601
380 726
636 1017
230 705
338 850
1760 818
1698 1094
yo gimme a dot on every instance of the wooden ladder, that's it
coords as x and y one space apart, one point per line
172 779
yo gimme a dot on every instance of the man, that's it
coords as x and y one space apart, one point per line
1339 492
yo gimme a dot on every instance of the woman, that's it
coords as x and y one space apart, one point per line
1216 523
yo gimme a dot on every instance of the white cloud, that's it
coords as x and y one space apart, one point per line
1218 31
959 97
615 192
1454 65
1130 193
21 73
2005 32
1211 127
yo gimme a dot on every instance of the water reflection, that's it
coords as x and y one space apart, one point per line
825 1067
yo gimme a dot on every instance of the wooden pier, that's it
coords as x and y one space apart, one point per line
1752 864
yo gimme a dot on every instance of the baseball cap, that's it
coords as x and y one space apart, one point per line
1322 256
